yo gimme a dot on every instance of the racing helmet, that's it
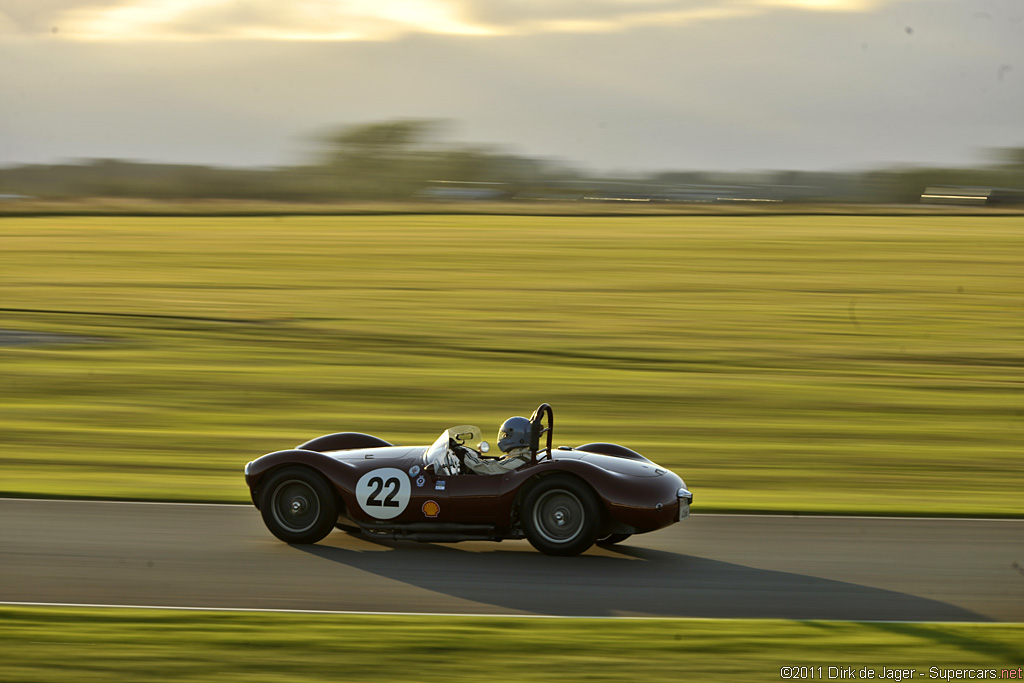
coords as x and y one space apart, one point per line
514 433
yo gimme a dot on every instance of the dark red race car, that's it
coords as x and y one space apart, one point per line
562 500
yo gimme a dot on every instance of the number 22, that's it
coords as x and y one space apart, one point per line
379 485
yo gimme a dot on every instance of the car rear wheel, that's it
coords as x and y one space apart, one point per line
560 516
298 506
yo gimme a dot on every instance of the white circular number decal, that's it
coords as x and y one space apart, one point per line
384 493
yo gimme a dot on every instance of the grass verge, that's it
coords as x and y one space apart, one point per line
778 363
100 644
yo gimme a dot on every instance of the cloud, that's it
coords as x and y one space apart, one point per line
598 16
37 16
254 19
543 16
338 20
785 89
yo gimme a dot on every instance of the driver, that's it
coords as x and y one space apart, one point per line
513 441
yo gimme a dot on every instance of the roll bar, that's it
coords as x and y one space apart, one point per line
538 429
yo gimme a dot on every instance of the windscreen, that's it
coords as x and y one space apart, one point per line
439 454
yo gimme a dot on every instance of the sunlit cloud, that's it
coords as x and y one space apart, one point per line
266 20
627 20
825 5
334 20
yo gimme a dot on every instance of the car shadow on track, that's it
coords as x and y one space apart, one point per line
626 580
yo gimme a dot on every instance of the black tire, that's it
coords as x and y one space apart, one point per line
561 516
298 505
612 539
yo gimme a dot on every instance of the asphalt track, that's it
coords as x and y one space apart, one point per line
881 569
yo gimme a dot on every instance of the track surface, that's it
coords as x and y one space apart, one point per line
709 566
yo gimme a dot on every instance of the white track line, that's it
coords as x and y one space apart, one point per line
510 615
792 515
124 502
785 515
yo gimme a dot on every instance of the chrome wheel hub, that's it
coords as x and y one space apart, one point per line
558 516
295 506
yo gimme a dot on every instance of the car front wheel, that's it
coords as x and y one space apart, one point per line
560 516
298 506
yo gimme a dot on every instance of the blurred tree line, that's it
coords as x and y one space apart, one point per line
386 161
401 160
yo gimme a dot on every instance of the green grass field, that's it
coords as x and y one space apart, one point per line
780 363
51 644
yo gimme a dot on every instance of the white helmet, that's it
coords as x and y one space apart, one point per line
514 433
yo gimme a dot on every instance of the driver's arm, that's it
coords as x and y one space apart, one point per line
473 461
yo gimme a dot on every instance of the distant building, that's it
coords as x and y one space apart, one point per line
972 196
639 191
459 191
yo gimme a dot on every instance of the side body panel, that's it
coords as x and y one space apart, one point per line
387 486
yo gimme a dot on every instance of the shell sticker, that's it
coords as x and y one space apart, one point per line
431 509
384 493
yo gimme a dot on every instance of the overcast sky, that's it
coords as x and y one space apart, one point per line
607 85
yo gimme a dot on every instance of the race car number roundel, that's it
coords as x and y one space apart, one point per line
384 493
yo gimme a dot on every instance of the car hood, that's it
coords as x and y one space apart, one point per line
388 453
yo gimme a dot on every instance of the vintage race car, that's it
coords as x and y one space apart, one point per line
562 500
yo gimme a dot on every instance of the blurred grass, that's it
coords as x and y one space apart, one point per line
138 206
783 363
60 644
